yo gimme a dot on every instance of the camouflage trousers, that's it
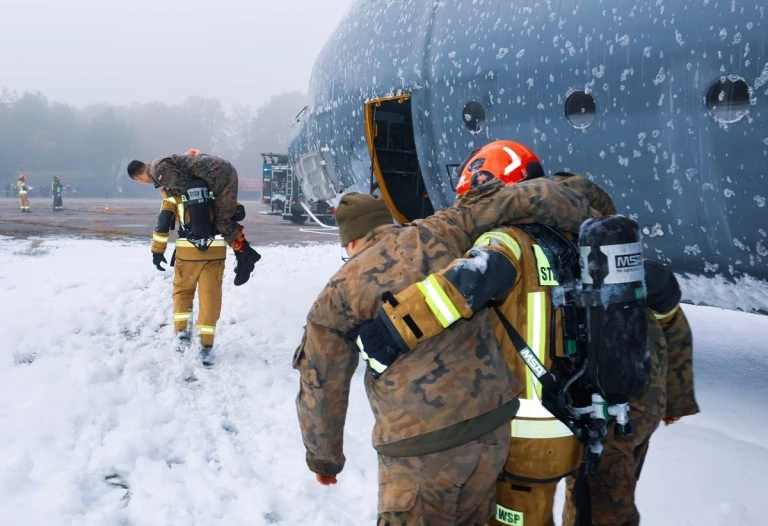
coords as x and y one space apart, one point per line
455 486
612 484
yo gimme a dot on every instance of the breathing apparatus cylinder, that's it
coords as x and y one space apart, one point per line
198 204
613 299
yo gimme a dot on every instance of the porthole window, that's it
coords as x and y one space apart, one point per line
473 116
728 100
580 109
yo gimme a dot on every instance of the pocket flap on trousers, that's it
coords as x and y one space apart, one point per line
397 497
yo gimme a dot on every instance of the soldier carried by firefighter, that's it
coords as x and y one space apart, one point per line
198 258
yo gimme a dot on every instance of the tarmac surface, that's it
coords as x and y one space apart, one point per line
135 218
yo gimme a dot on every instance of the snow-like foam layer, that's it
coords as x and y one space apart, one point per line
747 294
102 423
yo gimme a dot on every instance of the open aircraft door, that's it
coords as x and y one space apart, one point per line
394 162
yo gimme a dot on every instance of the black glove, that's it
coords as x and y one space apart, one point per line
239 213
246 260
376 345
158 258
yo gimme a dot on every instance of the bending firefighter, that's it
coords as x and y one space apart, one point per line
56 193
199 261
550 311
175 173
23 189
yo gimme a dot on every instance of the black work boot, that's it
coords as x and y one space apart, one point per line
246 260
183 341
207 357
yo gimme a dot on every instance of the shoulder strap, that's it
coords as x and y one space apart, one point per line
541 373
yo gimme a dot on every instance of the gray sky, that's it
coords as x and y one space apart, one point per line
86 51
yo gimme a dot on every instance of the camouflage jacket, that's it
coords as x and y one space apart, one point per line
175 172
441 387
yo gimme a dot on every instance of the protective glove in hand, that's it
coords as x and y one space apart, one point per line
377 346
325 480
158 258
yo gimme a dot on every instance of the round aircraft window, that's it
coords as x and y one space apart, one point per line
580 109
473 116
728 100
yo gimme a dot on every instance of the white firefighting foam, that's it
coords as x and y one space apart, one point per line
103 423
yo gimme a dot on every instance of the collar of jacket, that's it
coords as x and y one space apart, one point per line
158 181
373 237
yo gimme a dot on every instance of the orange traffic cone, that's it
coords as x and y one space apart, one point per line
106 207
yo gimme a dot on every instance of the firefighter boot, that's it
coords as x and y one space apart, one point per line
183 341
207 357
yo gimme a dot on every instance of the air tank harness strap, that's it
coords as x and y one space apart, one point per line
582 497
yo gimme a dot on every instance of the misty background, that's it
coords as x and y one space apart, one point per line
85 85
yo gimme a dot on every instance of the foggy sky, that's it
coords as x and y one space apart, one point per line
122 51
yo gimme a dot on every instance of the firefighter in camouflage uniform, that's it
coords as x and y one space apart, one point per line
442 412
174 173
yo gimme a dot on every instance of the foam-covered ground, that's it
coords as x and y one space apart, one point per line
102 423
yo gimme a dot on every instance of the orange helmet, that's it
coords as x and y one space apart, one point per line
508 161
192 151
22 177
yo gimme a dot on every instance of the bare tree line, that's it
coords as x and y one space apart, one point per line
89 147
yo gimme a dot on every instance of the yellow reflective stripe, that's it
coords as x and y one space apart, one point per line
180 316
214 243
546 275
537 338
171 200
372 362
508 516
180 212
551 428
501 237
206 329
160 238
439 302
22 192
661 316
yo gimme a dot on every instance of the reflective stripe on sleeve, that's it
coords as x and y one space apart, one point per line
160 238
439 302
500 238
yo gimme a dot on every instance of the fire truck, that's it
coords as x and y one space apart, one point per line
282 193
